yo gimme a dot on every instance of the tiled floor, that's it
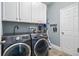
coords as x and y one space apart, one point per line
55 52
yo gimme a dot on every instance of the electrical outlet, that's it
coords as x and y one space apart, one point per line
78 50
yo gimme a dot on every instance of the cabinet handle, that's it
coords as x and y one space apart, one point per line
19 18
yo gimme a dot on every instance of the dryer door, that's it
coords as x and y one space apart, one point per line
18 49
41 47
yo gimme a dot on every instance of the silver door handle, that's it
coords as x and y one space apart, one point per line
62 33
2 42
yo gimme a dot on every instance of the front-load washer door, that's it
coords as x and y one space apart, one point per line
41 47
18 49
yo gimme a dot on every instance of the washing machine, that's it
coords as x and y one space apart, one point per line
39 45
16 45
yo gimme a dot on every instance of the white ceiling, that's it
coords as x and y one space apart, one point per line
47 3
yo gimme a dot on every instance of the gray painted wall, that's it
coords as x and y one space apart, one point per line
23 27
53 17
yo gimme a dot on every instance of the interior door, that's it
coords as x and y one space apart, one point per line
10 11
68 28
25 11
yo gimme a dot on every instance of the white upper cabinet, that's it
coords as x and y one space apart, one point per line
9 11
25 11
38 12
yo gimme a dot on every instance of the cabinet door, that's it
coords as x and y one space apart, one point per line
9 11
38 12
25 11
